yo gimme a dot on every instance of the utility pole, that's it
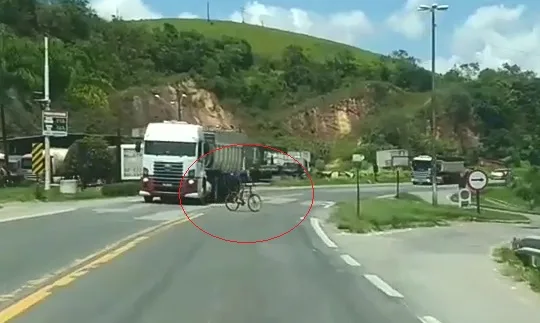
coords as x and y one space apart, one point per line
243 13
180 108
47 102
208 11
2 108
433 9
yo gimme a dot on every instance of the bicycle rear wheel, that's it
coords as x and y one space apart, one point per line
254 202
231 202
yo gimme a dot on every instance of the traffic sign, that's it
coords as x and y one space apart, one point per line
477 180
358 158
55 124
464 197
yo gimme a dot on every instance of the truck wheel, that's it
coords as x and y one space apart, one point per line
148 199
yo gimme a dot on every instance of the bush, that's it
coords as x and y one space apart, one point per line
88 159
516 269
121 189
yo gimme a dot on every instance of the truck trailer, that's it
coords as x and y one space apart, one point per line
449 170
171 147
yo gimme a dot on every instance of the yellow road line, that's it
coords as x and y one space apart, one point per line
27 302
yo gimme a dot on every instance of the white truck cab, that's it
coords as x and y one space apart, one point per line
169 149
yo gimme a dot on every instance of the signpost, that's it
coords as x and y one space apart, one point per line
55 124
402 160
357 160
477 181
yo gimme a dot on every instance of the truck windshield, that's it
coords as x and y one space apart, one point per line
170 148
421 165
26 163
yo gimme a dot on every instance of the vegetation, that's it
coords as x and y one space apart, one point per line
365 178
265 42
265 77
406 212
36 193
89 160
513 267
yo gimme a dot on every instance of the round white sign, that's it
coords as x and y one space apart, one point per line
464 194
477 180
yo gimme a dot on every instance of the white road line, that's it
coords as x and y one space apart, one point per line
389 232
316 224
428 319
387 196
350 261
329 204
37 215
383 286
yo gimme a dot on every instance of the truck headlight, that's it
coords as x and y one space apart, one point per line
191 173
145 171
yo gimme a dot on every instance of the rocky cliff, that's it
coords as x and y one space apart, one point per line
324 118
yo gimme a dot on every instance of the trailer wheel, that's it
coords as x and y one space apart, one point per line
148 199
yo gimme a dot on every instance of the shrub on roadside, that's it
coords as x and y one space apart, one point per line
515 268
121 189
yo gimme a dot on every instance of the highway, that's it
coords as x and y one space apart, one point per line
178 273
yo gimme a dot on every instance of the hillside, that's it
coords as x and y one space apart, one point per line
281 88
264 41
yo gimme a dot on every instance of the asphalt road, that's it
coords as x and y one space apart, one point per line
33 249
183 274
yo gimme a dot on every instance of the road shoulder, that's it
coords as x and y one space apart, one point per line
433 267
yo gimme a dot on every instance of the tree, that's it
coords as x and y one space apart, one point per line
90 160
528 187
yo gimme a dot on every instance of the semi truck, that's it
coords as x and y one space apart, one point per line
449 170
57 155
171 147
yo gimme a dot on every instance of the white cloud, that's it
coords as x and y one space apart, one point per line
127 9
187 15
408 21
346 27
494 35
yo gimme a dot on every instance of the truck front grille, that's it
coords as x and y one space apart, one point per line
168 174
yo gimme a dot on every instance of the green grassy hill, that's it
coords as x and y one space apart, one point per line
267 42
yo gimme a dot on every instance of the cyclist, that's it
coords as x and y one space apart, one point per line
238 181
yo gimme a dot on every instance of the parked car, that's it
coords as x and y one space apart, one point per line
500 173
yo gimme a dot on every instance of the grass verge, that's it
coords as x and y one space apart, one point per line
409 211
505 198
367 179
512 266
502 198
36 193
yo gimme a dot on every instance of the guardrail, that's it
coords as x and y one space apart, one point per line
528 250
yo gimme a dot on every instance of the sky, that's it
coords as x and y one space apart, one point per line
487 32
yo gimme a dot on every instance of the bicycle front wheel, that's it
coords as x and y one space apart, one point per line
254 202
231 202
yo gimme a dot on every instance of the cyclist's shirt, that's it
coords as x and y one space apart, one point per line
243 177
237 179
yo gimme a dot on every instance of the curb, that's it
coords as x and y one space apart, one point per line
25 292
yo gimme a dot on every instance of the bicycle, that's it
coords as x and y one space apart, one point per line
237 198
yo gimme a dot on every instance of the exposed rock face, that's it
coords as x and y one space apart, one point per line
322 119
168 102
330 122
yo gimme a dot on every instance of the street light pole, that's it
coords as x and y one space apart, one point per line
433 9
2 107
47 102
180 107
